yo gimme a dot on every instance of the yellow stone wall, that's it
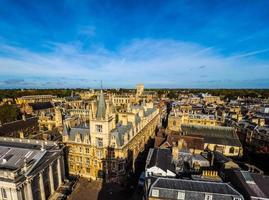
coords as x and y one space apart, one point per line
175 122
86 159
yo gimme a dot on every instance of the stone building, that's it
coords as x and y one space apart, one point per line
30 169
51 120
34 99
175 120
216 138
130 98
104 148
37 108
140 89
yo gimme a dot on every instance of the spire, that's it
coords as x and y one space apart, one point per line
101 107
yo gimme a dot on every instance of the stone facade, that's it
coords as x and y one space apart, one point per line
104 148
176 120
34 99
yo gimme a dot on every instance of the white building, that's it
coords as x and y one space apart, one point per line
30 169
159 163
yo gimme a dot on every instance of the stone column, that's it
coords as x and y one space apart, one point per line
51 179
41 186
19 193
14 194
29 190
59 171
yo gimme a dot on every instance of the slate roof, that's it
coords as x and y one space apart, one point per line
161 158
120 131
213 134
82 130
169 188
13 158
41 105
250 184
14 152
149 111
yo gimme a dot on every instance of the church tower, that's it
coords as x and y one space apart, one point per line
102 121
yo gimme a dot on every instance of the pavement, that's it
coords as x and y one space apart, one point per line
96 190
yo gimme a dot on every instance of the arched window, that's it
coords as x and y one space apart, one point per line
174 123
231 150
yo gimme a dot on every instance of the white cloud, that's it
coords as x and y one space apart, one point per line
157 63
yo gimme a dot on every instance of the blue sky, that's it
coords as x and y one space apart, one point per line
196 44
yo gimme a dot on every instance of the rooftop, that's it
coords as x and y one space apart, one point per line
169 186
213 134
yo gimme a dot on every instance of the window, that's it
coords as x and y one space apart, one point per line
231 150
88 170
181 195
4 193
87 160
87 150
155 193
99 128
174 123
99 142
208 197
99 154
79 159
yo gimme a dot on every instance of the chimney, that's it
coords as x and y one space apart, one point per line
42 146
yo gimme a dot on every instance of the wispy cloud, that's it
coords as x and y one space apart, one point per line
252 53
157 63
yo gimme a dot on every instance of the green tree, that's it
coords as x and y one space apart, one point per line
8 113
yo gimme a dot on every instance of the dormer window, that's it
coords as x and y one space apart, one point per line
99 128
208 196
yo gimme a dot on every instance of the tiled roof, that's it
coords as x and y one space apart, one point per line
213 134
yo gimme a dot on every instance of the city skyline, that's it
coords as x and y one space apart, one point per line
175 44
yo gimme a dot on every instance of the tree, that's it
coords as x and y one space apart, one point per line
8 113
